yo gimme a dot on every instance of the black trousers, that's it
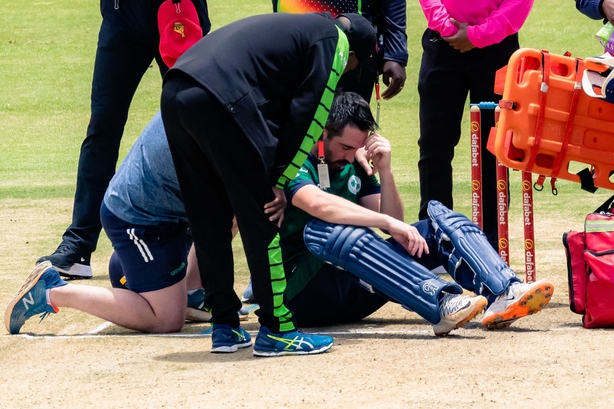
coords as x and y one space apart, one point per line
128 41
221 173
334 297
446 78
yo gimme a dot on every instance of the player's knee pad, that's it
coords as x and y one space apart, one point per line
366 255
471 245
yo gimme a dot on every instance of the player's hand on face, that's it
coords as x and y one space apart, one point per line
363 161
394 77
378 151
409 237
275 208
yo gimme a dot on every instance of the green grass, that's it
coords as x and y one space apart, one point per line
46 64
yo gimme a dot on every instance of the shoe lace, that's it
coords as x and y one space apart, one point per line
63 249
43 316
511 290
452 303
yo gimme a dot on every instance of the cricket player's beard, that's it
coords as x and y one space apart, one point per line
338 164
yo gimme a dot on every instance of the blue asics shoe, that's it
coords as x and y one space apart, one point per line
226 339
31 299
290 343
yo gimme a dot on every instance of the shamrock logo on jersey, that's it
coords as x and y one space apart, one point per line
354 184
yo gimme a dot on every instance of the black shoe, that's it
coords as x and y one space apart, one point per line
69 263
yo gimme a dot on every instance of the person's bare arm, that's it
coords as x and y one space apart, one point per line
393 76
389 201
334 209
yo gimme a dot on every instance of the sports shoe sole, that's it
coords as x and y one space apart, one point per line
76 271
30 282
288 353
478 307
529 304
194 314
227 349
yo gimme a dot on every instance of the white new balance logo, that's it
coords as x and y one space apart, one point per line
27 301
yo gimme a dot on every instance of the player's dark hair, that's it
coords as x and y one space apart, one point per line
349 108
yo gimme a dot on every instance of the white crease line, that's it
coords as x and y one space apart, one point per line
206 335
100 328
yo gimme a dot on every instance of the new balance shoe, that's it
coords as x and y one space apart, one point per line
226 339
519 300
290 343
68 263
196 310
31 299
456 311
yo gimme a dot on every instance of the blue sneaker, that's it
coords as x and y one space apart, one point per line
290 343
196 310
31 299
248 294
226 339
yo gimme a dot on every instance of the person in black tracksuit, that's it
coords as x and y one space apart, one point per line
127 43
241 109
464 46
442 98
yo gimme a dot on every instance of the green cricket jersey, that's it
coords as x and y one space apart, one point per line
350 182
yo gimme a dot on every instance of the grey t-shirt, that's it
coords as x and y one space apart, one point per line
145 189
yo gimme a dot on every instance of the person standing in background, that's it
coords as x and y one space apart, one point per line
464 45
128 40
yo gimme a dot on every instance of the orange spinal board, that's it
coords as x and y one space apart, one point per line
548 121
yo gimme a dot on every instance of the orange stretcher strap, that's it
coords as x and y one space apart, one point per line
558 162
556 167
542 108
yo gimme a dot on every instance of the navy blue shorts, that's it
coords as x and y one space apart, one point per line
151 257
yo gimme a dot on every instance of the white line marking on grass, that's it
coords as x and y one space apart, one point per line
100 328
207 333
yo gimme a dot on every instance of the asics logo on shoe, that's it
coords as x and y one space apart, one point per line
240 337
27 301
294 343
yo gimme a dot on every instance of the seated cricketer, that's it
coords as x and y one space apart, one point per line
338 270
